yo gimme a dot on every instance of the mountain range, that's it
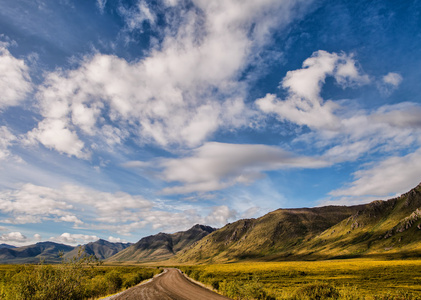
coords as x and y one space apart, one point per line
162 246
386 229
101 249
390 229
43 251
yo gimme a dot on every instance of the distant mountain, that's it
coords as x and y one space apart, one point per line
7 246
101 249
382 228
162 245
43 251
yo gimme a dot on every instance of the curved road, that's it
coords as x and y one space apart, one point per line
170 285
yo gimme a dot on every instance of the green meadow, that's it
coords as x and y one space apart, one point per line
361 279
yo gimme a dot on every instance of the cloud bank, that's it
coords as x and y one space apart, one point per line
179 94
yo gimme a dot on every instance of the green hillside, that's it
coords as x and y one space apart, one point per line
382 228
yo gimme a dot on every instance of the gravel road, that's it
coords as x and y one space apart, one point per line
172 284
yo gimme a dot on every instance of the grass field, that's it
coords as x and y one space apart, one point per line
337 279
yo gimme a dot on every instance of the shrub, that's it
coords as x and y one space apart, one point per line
316 291
249 289
115 281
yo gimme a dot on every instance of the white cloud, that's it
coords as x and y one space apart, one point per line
402 115
37 237
304 106
13 237
74 239
345 133
215 166
170 219
116 240
394 79
389 83
220 215
32 204
55 134
387 178
15 82
71 219
179 94
91 209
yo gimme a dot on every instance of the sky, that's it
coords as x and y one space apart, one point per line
121 119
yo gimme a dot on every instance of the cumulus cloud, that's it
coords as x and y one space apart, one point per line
74 239
55 134
179 94
91 209
304 106
389 83
32 204
116 240
15 82
220 215
393 79
215 166
344 132
181 219
71 219
13 237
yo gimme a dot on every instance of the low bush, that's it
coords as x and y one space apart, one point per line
79 278
316 291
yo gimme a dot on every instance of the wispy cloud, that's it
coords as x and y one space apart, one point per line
216 166
136 16
101 5
391 176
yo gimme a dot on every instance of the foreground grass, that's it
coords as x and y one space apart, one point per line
77 279
340 279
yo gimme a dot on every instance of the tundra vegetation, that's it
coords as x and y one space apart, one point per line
353 279
79 278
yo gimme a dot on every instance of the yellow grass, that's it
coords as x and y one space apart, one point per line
356 278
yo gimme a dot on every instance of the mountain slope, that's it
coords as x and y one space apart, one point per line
391 228
44 251
101 249
383 228
277 232
162 245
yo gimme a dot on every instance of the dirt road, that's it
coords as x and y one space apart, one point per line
170 285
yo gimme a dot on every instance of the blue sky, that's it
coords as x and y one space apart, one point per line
120 119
